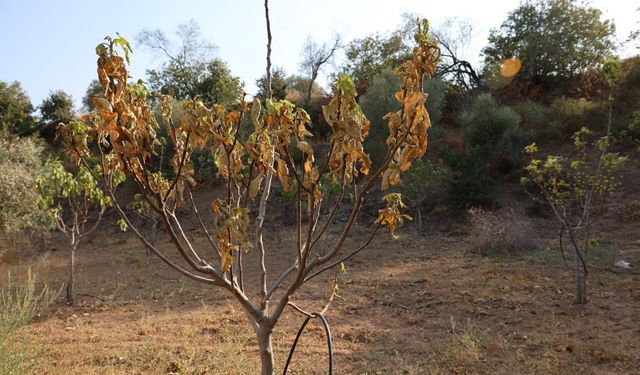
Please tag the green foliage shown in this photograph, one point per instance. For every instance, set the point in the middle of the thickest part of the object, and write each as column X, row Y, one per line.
column 634, row 125
column 190, row 71
column 19, row 305
column 57, row 107
column 376, row 103
column 279, row 85
column 568, row 182
column 535, row 117
column 493, row 139
column 299, row 85
column 379, row 100
column 421, row 181
column 437, row 90
column 488, row 125
column 21, row 161
column 371, row 55
column 59, row 188
column 570, row 114
column 15, row 110
column 211, row 82
column 93, row 89
column 553, row 39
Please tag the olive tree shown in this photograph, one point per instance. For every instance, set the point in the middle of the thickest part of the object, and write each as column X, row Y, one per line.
column 125, row 141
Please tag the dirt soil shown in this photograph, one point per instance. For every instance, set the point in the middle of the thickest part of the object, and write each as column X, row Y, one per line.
column 418, row 305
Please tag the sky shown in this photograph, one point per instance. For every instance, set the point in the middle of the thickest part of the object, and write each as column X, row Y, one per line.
column 49, row 45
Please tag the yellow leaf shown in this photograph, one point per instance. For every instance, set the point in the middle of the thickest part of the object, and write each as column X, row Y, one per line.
column 254, row 187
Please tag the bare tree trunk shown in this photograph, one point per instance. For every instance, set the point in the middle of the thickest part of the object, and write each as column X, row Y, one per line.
column 265, row 345
column 581, row 282
column 70, row 276
column 418, row 220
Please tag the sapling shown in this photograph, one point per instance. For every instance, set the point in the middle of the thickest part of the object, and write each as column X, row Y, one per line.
column 249, row 164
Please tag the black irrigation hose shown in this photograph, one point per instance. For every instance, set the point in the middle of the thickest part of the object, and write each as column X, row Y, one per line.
column 329, row 341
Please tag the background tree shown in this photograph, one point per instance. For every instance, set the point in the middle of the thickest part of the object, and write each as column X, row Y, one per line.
column 93, row 89
column 190, row 70
column 314, row 57
column 298, row 85
column 378, row 101
column 554, row 39
column 372, row 54
column 126, row 139
column 453, row 37
column 279, row 85
column 75, row 204
column 15, row 110
column 55, row 108
column 491, row 138
column 21, row 161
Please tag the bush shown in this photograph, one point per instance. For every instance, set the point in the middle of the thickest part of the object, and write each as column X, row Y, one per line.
column 21, row 161
column 570, row 114
column 493, row 141
column 19, row 305
column 376, row 103
column 535, row 117
column 493, row 234
column 437, row 89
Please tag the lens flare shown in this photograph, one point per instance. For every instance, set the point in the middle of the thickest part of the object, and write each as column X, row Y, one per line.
column 510, row 67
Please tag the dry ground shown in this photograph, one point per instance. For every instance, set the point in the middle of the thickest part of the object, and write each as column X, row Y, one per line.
column 418, row 305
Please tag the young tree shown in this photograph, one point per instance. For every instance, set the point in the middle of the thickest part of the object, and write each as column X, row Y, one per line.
column 314, row 57
column 554, row 39
column 75, row 203
column 577, row 188
column 125, row 141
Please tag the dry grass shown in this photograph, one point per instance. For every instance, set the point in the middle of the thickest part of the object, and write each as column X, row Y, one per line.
column 499, row 233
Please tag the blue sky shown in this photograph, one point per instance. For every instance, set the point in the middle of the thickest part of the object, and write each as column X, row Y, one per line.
column 48, row 45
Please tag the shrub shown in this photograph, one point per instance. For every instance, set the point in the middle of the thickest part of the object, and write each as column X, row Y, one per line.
column 535, row 117
column 437, row 89
column 492, row 139
column 376, row 103
column 21, row 160
column 19, row 305
column 498, row 234
column 570, row 114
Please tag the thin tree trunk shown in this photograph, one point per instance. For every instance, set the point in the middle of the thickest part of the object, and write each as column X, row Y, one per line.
column 581, row 282
column 264, row 333
column 70, row 277
column 418, row 220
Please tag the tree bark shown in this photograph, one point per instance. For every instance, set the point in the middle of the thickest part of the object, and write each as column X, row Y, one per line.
column 581, row 283
column 70, row 277
column 264, row 333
